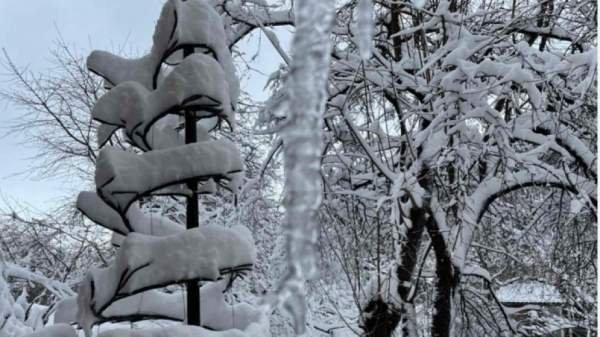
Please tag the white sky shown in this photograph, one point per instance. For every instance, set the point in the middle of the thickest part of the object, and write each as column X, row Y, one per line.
column 28, row 30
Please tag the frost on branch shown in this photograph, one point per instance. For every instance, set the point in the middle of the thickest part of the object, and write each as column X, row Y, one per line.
column 302, row 139
column 146, row 262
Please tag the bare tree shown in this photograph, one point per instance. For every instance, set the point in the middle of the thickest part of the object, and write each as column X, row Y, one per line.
column 55, row 110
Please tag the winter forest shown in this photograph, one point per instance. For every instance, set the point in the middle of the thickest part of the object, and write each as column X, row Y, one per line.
column 412, row 168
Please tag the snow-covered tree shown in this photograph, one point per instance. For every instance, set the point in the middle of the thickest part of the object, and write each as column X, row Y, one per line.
column 460, row 104
column 166, row 102
column 451, row 108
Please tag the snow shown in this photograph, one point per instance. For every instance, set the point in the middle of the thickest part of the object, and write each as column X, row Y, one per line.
column 65, row 311
column 576, row 206
column 182, row 23
column 163, row 135
column 151, row 223
column 90, row 204
column 56, row 288
column 174, row 331
column 491, row 187
column 216, row 313
column 529, row 291
column 477, row 271
column 122, row 177
column 115, row 69
column 144, row 262
column 130, row 96
column 12, row 315
column 199, row 24
column 569, row 140
column 197, row 82
column 56, row 330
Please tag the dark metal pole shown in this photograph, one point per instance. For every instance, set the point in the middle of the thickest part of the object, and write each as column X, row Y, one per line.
column 193, row 287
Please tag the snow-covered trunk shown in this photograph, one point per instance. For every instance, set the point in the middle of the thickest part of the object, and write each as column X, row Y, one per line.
column 302, row 149
column 407, row 259
column 445, row 283
column 379, row 320
column 408, row 256
column 380, row 317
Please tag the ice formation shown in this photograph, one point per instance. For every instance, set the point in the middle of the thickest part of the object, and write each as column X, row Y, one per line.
column 302, row 141
column 366, row 28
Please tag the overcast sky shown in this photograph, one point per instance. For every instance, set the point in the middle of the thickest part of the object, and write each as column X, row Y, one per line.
column 28, row 30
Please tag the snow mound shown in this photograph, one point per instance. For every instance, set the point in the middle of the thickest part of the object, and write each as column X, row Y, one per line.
column 65, row 310
column 176, row 331
column 56, row 330
column 93, row 207
column 147, row 262
column 182, row 23
column 217, row 314
column 122, row 177
column 197, row 84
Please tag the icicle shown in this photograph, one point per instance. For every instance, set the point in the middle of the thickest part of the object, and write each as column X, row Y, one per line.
column 302, row 139
column 365, row 27
column 418, row 3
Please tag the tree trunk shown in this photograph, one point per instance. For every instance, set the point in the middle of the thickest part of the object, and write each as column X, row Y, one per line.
column 193, row 288
column 445, row 283
column 381, row 318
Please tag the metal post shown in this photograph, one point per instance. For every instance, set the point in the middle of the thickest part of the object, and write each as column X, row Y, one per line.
column 193, row 287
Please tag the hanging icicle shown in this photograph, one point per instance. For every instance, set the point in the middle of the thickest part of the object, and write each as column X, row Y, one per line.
column 302, row 140
column 366, row 28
